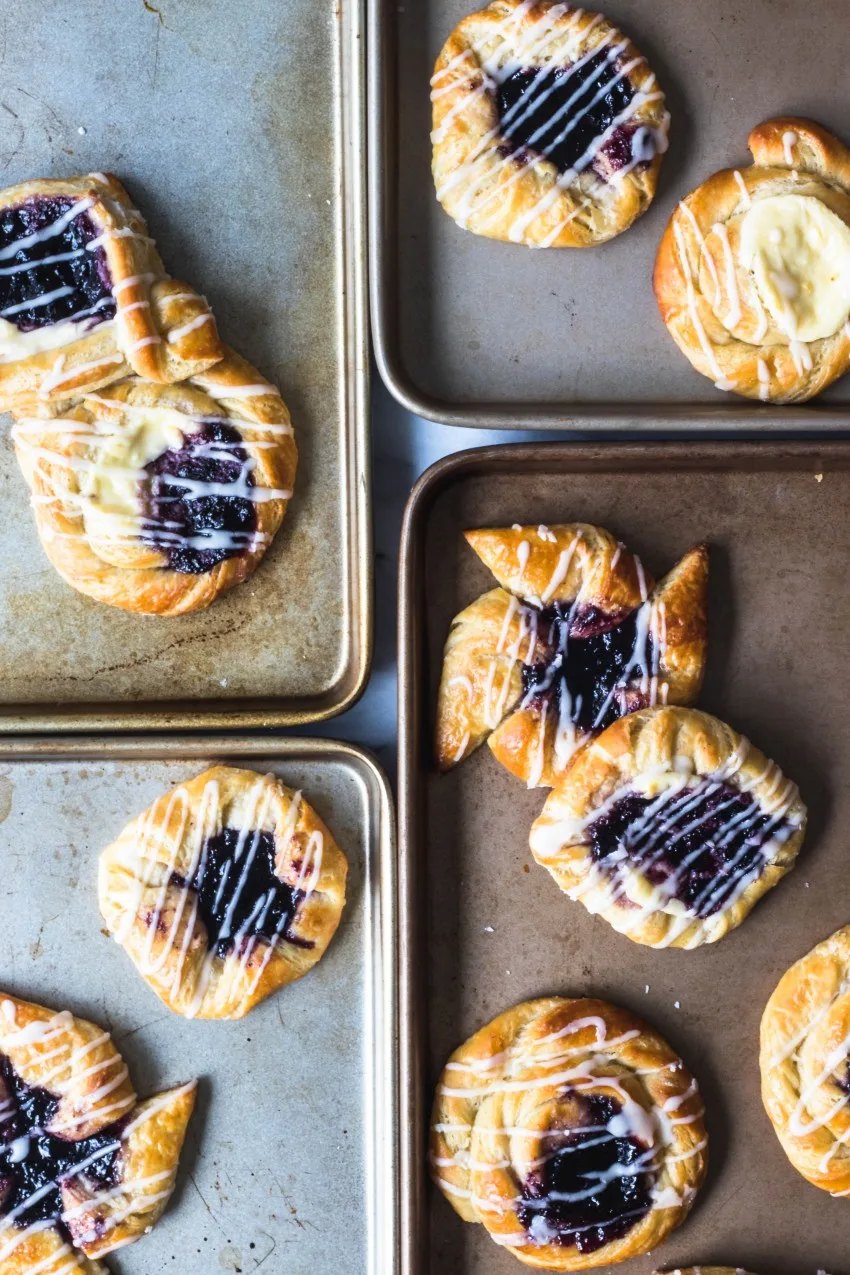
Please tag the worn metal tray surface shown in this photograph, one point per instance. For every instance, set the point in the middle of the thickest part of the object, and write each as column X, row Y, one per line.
column 486, row 927
column 289, row 1162
column 237, row 131
column 474, row 332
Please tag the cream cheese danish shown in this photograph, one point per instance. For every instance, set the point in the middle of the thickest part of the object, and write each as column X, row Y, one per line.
column 158, row 498
column 548, row 125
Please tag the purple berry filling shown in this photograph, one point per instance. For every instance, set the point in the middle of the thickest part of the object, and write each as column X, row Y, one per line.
column 560, row 114
column 34, row 1163
column 59, row 266
column 590, row 657
column 559, row 1203
column 196, row 528
column 240, row 897
column 702, row 846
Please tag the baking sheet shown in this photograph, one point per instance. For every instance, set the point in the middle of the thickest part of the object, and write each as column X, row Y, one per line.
column 474, row 332
column 776, row 518
column 237, row 130
column 289, row 1162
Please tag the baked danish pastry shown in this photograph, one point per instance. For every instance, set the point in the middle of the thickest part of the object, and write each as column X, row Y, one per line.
column 805, row 1064
column 225, row 889
column 571, row 1131
column 753, row 272
column 157, row 498
column 671, row 826
column 549, row 126
column 84, row 297
column 85, row 1167
column 576, row 635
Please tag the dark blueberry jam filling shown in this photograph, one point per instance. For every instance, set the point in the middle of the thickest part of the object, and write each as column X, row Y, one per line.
column 239, row 892
column 559, row 1203
column 700, row 845
column 34, row 1163
column 59, row 266
column 591, row 658
column 559, row 114
column 197, row 530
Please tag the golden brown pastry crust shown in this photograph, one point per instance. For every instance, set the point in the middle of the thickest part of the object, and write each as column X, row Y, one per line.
column 481, row 691
column 156, row 918
column 58, row 446
column 519, row 1081
column 76, row 1062
column 805, row 1072
column 652, row 752
column 700, row 281
column 163, row 330
column 518, row 197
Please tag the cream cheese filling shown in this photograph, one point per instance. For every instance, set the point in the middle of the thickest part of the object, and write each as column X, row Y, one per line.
column 109, row 488
column 798, row 251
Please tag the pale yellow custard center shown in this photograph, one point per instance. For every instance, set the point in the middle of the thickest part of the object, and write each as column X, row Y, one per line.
column 111, row 487
column 799, row 253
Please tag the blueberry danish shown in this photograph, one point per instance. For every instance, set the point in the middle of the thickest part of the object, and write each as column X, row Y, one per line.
column 549, row 126
column 571, row 1131
column 157, row 498
column 753, row 273
column 805, row 1064
column 84, row 297
column 671, row 826
column 227, row 888
column 576, row 635
column 85, row 1167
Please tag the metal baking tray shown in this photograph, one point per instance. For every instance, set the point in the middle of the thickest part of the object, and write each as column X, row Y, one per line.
column 291, row 1156
column 237, row 128
column 468, row 331
column 777, row 517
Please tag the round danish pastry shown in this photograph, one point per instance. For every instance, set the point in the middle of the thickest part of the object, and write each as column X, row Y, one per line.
column 576, row 635
column 571, row 1131
column 753, row 272
column 805, row 1064
column 671, row 826
column 85, row 1167
column 549, row 126
column 225, row 889
column 84, row 297
column 157, row 498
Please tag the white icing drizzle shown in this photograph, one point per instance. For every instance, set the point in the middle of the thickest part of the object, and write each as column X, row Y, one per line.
column 177, row 334
column 764, row 380
column 733, row 314
column 23, row 242
column 789, row 141
column 165, row 836
column 507, row 49
column 746, row 200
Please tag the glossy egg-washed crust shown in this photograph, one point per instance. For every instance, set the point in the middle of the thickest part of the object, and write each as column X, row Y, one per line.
column 36, row 1041
column 136, row 576
column 805, row 1046
column 691, row 276
column 650, row 749
column 145, row 337
column 480, row 1168
column 481, row 684
column 496, row 194
column 156, row 923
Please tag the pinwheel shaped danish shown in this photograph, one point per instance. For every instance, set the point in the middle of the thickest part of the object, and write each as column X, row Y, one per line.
column 805, row 1064
column 85, row 1167
column 157, row 498
column 227, row 888
column 548, row 125
column 84, row 297
column 571, row 1131
column 753, row 273
column 576, row 635
column 671, row 826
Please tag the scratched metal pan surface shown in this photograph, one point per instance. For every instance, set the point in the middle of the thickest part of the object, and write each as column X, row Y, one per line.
column 289, row 1161
column 469, row 331
column 236, row 128
column 487, row 928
